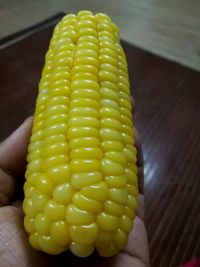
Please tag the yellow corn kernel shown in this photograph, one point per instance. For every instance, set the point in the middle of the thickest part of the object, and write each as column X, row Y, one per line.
column 108, row 222
column 113, row 208
column 87, row 203
column 120, row 238
column 80, row 180
column 97, row 191
column 109, row 251
column 54, row 210
column 42, row 224
column 47, row 244
column 60, row 232
column 81, row 250
column 81, row 176
column 104, row 238
column 84, row 234
column 75, row 215
column 29, row 224
column 63, row 193
column 39, row 200
column 33, row 239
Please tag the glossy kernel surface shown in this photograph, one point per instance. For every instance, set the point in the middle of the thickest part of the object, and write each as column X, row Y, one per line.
column 81, row 178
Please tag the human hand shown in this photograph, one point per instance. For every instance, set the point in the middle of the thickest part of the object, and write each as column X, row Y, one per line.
column 15, row 250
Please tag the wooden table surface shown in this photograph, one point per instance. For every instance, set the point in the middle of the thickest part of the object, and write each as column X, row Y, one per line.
column 167, row 114
column 167, row 28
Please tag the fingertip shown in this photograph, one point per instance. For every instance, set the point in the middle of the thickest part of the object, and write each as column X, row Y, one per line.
column 13, row 150
column 27, row 122
column 28, row 119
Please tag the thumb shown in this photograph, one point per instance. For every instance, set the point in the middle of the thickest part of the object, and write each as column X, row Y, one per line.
column 13, row 153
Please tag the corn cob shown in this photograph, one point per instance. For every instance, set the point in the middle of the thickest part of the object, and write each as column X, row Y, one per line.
column 81, row 176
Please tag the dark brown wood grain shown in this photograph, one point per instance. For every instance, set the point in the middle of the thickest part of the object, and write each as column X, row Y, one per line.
column 167, row 114
column 167, row 98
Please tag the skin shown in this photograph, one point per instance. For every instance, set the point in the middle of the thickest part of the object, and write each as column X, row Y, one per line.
column 15, row 250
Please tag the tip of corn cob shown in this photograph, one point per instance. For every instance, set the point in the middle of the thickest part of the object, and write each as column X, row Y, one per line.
column 81, row 177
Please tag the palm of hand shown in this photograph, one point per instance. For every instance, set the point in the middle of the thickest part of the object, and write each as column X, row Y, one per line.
column 14, row 247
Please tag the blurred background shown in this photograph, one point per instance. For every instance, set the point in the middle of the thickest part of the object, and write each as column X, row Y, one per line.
column 161, row 39
column 170, row 28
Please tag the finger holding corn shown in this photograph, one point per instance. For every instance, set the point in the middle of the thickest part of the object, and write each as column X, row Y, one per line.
column 81, row 177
